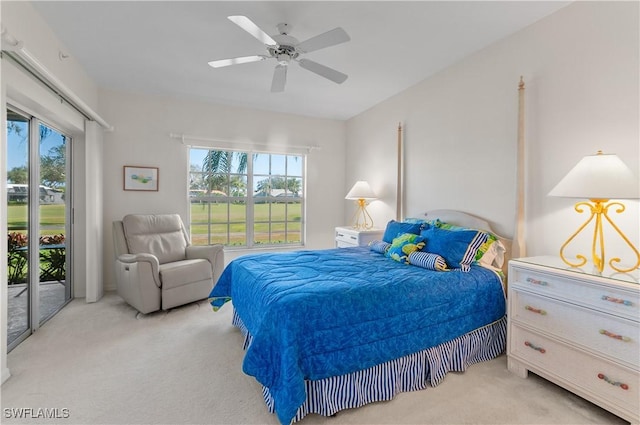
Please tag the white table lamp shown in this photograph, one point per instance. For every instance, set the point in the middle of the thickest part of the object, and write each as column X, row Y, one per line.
column 361, row 192
column 599, row 178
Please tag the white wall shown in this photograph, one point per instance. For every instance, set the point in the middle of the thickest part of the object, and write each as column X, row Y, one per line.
column 143, row 125
column 20, row 19
column 580, row 67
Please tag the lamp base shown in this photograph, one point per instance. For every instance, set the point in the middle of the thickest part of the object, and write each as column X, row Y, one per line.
column 361, row 218
column 599, row 209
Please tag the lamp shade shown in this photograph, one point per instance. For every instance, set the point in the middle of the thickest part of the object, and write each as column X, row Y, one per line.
column 361, row 190
column 599, row 176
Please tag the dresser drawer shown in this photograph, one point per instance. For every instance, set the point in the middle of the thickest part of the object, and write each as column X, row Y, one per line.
column 346, row 238
column 615, row 300
column 609, row 335
column 599, row 379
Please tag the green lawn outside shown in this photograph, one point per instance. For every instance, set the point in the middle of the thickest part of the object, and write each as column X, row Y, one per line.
column 52, row 262
column 52, row 219
column 52, row 222
column 235, row 233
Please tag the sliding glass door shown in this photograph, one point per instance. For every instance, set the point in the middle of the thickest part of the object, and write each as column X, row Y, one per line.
column 38, row 223
column 18, row 294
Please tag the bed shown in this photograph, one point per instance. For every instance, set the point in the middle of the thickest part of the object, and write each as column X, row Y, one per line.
column 328, row 330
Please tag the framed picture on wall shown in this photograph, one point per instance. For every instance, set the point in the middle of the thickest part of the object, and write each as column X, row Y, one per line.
column 140, row 178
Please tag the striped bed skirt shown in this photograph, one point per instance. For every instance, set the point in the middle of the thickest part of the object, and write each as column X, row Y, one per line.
column 382, row 382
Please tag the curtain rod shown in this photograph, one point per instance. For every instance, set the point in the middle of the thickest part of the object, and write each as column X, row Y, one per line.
column 183, row 138
column 26, row 60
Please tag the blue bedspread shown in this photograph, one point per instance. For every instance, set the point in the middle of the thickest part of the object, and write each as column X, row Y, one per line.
column 315, row 314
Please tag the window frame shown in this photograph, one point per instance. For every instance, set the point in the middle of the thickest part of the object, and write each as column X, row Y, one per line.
column 250, row 199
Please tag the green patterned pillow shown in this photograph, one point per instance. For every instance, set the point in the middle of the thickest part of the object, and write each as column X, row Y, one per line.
column 403, row 245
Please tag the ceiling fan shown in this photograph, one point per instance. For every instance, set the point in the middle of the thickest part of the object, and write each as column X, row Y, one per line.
column 285, row 49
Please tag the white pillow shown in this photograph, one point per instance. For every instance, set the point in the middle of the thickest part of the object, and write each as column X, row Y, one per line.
column 494, row 257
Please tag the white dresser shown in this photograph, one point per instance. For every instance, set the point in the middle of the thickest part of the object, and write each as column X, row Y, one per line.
column 348, row 236
column 578, row 330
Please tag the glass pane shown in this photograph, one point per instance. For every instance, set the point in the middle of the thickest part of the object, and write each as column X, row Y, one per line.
column 261, row 186
column 238, row 185
column 278, row 165
column 261, row 233
column 278, row 233
column 294, row 166
column 262, row 210
column 54, row 290
column 220, row 234
column 294, row 187
column 238, row 234
column 200, row 234
column 261, row 164
column 219, row 212
column 17, row 224
column 294, row 212
column 294, row 233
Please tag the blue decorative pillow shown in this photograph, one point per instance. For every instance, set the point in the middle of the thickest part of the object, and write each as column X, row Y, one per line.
column 428, row 260
column 396, row 228
column 457, row 247
column 379, row 246
column 488, row 252
column 404, row 245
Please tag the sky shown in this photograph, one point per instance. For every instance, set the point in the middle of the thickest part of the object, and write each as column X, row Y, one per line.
column 17, row 145
column 261, row 163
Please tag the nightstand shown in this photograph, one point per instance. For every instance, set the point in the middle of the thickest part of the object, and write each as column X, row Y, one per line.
column 577, row 329
column 348, row 236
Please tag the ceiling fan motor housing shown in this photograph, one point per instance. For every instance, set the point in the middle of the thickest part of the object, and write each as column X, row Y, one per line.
column 285, row 50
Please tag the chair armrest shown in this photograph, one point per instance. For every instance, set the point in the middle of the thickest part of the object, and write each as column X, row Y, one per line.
column 143, row 258
column 213, row 253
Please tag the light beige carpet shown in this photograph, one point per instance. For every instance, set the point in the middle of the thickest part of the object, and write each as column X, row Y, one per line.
column 104, row 364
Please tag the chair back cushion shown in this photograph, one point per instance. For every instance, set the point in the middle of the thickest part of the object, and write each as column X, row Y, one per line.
column 162, row 235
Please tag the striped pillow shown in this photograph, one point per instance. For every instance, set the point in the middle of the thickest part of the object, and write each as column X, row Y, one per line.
column 379, row 246
column 457, row 247
column 428, row 260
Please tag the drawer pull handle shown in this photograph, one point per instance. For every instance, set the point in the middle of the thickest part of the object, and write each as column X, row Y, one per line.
column 536, row 281
column 617, row 300
column 353, row 237
column 614, row 336
column 605, row 378
column 535, row 310
column 534, row 347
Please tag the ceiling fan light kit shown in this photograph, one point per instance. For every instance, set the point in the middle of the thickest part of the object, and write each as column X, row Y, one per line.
column 285, row 48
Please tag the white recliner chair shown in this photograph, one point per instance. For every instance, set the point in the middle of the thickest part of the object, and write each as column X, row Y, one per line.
column 156, row 265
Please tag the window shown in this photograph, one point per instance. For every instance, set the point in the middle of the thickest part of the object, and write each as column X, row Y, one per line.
column 243, row 199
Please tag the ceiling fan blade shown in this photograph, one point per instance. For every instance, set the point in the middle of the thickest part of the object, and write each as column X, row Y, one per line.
column 323, row 71
column 248, row 25
column 329, row 38
column 279, row 78
column 236, row 61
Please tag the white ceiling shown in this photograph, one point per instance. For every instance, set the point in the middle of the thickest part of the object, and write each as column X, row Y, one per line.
column 163, row 47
